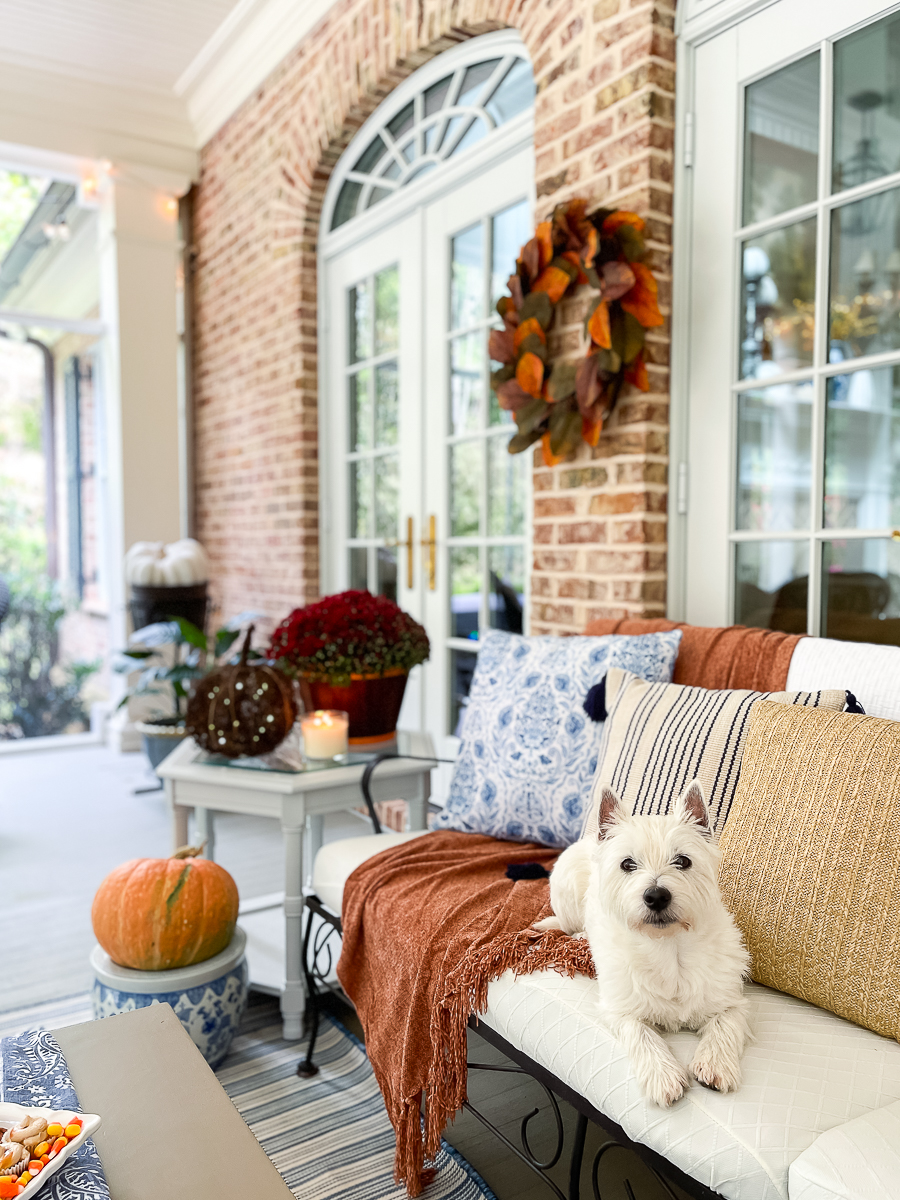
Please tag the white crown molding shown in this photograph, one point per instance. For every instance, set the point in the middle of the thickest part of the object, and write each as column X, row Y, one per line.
column 249, row 44
column 80, row 119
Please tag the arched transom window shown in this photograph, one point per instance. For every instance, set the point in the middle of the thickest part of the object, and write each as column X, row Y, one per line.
column 440, row 121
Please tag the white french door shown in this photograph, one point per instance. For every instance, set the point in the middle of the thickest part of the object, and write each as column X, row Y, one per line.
column 793, row 364
column 421, row 500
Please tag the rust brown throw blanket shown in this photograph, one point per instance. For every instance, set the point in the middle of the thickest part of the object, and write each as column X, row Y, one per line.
column 427, row 925
column 730, row 657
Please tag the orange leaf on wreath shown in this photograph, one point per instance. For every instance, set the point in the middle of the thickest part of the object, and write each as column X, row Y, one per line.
column 550, row 459
column 544, row 236
column 532, row 325
column 553, row 281
column 590, row 430
column 590, row 247
column 641, row 300
column 598, row 326
column 614, row 220
column 530, row 374
column 573, row 257
column 636, row 374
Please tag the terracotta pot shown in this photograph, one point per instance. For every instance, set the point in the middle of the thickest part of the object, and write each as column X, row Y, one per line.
column 372, row 703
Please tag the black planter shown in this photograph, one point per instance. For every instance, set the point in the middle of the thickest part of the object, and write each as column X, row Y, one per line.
column 151, row 603
column 160, row 737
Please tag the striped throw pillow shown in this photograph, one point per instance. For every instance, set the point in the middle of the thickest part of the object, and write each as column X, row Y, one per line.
column 658, row 737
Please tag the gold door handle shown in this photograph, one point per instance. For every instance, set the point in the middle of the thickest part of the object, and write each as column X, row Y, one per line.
column 410, row 550
column 431, row 543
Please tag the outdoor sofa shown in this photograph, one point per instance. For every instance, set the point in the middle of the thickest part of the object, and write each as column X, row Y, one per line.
column 817, row 1116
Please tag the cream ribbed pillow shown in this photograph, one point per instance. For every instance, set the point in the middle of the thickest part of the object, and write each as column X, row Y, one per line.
column 659, row 737
column 811, row 860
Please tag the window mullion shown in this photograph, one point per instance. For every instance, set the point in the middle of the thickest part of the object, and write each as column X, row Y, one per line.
column 821, row 340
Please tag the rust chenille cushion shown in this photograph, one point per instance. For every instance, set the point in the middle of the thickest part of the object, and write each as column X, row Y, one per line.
column 811, row 859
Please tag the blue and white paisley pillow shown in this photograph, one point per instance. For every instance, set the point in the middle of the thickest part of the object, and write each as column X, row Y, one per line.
column 528, row 751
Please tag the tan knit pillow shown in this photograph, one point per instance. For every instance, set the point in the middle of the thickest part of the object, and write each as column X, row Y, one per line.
column 811, row 859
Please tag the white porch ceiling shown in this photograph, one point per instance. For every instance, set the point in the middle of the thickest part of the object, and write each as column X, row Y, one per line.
column 142, row 81
column 131, row 44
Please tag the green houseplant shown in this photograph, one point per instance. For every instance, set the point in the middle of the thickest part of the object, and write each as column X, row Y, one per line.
column 170, row 655
column 352, row 651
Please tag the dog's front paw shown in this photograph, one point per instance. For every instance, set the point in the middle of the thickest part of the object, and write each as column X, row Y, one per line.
column 666, row 1083
column 716, row 1073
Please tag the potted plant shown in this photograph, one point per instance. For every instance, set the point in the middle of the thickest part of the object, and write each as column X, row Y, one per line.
column 352, row 651
column 171, row 654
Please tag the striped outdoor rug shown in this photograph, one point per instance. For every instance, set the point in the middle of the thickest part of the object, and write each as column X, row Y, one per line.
column 329, row 1136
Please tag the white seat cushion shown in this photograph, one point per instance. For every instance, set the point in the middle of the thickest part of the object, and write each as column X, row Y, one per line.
column 871, row 673
column 856, row 1161
column 336, row 861
column 806, row 1072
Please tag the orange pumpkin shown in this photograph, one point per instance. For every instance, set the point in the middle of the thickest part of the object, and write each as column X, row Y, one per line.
column 156, row 914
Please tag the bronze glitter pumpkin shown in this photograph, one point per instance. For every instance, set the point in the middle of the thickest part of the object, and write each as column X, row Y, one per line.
column 244, row 708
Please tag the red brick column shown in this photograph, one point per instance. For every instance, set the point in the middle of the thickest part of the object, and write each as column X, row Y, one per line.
column 603, row 129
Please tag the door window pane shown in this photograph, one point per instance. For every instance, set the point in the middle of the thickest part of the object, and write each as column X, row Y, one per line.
column 778, row 301
column 387, row 309
column 387, row 573
column 360, row 321
column 465, row 591
column 465, row 477
column 507, row 578
column 514, row 94
column 467, row 278
column 781, row 140
column 387, row 486
column 867, row 104
column 360, row 410
column 467, row 381
column 861, row 590
column 862, row 450
column 771, row 585
column 462, row 668
column 386, row 401
column 507, row 483
column 359, row 569
column 509, row 232
column 774, row 457
column 865, row 277
column 361, row 498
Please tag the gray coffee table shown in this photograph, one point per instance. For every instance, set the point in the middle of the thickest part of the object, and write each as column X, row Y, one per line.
column 299, row 800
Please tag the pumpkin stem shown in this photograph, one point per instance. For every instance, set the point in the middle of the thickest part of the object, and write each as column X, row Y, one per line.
column 189, row 851
column 245, row 649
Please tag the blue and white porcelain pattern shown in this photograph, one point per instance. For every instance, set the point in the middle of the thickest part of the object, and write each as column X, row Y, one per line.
column 529, row 751
column 209, row 998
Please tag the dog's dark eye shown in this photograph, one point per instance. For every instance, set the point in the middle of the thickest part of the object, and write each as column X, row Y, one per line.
column 682, row 862
column 628, row 864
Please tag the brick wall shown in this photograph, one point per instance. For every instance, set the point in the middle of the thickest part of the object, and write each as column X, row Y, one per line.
column 603, row 129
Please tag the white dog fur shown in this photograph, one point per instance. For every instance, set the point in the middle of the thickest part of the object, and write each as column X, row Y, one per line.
column 674, row 962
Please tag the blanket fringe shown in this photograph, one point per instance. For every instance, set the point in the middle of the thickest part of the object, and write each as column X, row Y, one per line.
column 465, row 993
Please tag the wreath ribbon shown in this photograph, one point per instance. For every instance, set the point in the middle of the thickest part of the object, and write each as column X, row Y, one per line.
column 560, row 402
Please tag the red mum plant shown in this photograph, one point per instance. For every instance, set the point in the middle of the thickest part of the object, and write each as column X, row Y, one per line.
column 349, row 635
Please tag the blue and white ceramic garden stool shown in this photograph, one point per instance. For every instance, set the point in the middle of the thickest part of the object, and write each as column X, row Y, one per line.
column 208, row 998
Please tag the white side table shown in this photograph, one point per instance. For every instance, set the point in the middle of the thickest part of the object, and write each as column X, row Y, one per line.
column 292, row 797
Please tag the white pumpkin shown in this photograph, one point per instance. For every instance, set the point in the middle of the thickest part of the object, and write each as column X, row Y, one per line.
column 179, row 564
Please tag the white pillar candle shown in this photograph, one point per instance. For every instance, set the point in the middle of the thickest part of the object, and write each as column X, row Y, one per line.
column 325, row 733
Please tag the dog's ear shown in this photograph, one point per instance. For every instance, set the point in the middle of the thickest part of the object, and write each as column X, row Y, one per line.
column 609, row 813
column 691, row 806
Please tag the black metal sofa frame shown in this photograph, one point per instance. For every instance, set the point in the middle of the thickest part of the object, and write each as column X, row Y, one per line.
column 318, row 964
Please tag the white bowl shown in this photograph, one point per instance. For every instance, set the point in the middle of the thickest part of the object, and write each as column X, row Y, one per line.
column 11, row 1114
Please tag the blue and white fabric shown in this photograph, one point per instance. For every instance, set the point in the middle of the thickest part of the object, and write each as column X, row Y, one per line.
column 36, row 1075
column 529, row 751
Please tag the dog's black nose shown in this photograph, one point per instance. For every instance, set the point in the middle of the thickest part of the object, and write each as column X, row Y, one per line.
column 657, row 898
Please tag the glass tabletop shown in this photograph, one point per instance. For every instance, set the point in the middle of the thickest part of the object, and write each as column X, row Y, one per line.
column 288, row 758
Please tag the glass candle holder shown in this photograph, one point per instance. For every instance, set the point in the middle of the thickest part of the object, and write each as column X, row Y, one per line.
column 325, row 733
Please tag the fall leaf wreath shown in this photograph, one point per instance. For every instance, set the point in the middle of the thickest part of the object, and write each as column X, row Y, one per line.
column 562, row 402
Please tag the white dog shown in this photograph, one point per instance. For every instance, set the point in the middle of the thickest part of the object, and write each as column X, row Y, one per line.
column 666, row 950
